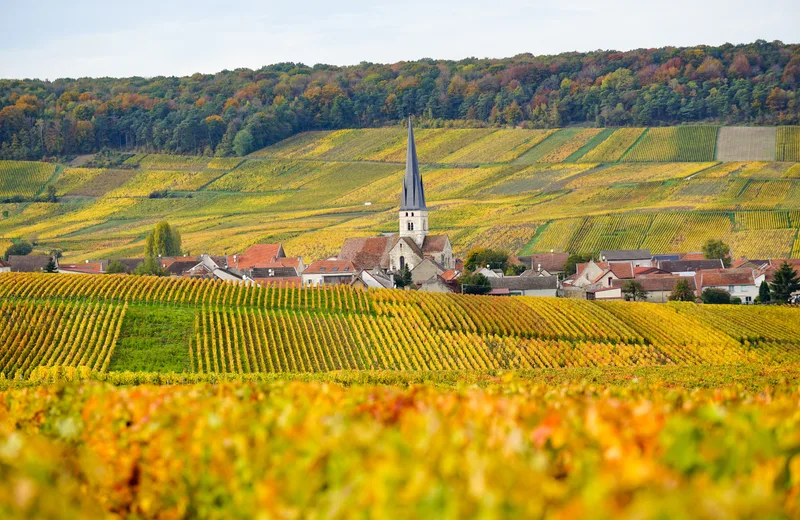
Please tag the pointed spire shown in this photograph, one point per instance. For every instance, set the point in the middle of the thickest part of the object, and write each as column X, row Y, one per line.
column 413, row 197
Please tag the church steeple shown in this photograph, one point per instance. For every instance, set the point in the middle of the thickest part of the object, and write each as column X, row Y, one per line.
column 413, row 211
column 413, row 191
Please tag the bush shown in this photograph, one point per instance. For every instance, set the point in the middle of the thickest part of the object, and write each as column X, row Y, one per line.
column 19, row 249
column 716, row 296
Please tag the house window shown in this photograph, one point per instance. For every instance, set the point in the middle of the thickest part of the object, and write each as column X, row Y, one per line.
column 406, row 213
column 609, row 281
column 402, row 262
column 411, row 226
column 321, row 269
column 730, row 288
column 748, row 299
column 335, row 269
column 412, row 213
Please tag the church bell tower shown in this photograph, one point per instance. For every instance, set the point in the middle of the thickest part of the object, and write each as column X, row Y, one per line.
column 413, row 211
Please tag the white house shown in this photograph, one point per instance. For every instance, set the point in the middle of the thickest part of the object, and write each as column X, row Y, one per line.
column 740, row 283
column 327, row 272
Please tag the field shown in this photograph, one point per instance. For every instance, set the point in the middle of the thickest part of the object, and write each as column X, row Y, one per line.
column 679, row 143
column 210, row 327
column 746, row 144
column 788, row 146
column 505, row 188
column 431, row 450
column 128, row 396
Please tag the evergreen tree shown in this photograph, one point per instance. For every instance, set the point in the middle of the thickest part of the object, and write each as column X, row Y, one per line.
column 784, row 284
column 51, row 266
column 402, row 278
column 763, row 292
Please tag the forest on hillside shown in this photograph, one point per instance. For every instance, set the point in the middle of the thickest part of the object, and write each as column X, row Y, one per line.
column 237, row 112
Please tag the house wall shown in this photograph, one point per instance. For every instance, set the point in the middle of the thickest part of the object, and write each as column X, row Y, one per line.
column 424, row 271
column 435, row 287
column 747, row 293
column 5, row 269
column 612, row 294
column 445, row 258
column 658, row 296
column 542, row 293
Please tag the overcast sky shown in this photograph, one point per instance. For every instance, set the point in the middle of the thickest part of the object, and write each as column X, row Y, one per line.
column 51, row 39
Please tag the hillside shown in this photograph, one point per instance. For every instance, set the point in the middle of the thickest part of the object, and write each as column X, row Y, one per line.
column 581, row 190
column 118, row 323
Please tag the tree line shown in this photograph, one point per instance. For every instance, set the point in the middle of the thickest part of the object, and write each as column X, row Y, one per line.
column 236, row 112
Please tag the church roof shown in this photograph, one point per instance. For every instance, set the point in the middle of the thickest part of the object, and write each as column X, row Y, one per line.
column 434, row 243
column 368, row 252
column 413, row 196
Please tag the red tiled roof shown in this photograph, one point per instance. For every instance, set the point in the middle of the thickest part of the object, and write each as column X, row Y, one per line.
column 641, row 271
column 368, row 252
column 434, row 243
column 693, row 256
column 550, row 262
column 257, row 255
column 621, row 269
column 87, row 267
column 3, row 263
column 450, row 274
column 331, row 267
column 723, row 277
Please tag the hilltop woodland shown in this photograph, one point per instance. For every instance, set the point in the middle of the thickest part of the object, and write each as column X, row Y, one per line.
column 237, row 112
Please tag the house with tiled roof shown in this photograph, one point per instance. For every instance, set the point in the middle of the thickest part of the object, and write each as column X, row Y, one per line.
column 740, row 283
column 689, row 267
column 413, row 244
column 267, row 256
column 376, row 279
column 87, row 267
column 524, row 286
column 659, row 287
column 553, row 263
column 327, row 272
column 5, row 267
column 29, row 263
column 637, row 257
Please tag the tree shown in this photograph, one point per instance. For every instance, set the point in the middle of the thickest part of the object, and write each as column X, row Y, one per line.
column 514, row 269
column 482, row 257
column 634, row 291
column 403, row 278
column 51, row 266
column 784, row 284
column 682, row 292
column 150, row 267
column 164, row 240
column 571, row 265
column 474, row 284
column 50, row 194
column 763, row 292
column 21, row 248
column 715, row 249
column 243, row 143
column 716, row 296
column 115, row 267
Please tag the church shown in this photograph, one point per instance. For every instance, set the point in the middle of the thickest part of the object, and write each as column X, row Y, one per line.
column 412, row 245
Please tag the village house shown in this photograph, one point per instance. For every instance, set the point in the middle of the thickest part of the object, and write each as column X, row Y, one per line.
column 413, row 244
column 551, row 263
column 30, row 263
column 328, row 272
column 659, row 287
column 689, row 267
column 376, row 279
column 596, row 275
column 87, row 267
column 637, row 257
column 542, row 286
column 436, row 284
column 740, row 283
column 5, row 267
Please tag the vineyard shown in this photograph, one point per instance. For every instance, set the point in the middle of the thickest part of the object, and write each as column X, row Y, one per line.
column 518, row 189
column 788, row 145
column 67, row 320
column 25, row 179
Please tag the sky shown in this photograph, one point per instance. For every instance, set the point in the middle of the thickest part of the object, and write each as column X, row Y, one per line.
column 50, row 39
